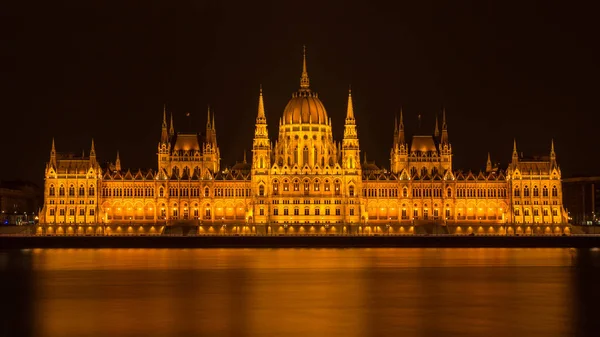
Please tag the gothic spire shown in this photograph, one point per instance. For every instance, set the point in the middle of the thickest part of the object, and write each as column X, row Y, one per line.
column 488, row 164
column 350, row 112
column 261, row 107
column 401, row 128
column 172, row 128
column 164, row 123
column 208, row 127
column 118, row 162
column 93, row 149
column 436, row 131
column 304, row 81
column 444, row 138
column 515, row 154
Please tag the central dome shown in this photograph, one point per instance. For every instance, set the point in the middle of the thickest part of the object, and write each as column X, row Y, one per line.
column 305, row 107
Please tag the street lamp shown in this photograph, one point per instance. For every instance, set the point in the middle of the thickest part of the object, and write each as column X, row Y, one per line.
column 388, row 229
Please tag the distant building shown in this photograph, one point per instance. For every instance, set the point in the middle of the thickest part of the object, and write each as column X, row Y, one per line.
column 303, row 181
column 20, row 202
column 582, row 200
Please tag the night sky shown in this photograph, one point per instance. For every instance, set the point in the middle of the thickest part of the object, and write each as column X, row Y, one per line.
column 76, row 70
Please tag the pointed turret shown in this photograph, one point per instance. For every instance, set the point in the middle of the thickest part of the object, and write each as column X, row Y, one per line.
column 261, row 107
column 53, row 154
column 488, row 164
column 118, row 162
column 304, row 81
column 552, row 154
column 350, row 110
column 350, row 145
column 208, row 127
column 93, row 152
column 164, row 135
column 436, row 131
column 172, row 128
column 261, row 146
column 401, row 138
column 444, row 139
column 244, row 157
column 515, row 154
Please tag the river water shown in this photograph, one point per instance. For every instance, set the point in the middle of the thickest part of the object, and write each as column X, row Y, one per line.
column 299, row 292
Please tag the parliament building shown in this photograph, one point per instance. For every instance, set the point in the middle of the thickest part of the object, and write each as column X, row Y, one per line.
column 302, row 182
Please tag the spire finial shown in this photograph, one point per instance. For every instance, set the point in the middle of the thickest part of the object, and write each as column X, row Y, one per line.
column 436, row 131
column 514, row 145
column 245, row 157
column 172, row 127
column 350, row 112
column 261, row 105
column 165, row 116
column 401, row 119
column 118, row 162
column 444, row 126
column 93, row 149
column 552, row 146
column 304, row 82
column 53, row 148
column 208, row 117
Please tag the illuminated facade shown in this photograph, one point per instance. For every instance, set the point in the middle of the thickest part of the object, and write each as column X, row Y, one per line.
column 304, row 183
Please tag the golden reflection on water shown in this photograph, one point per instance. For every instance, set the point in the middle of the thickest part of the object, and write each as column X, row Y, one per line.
column 302, row 292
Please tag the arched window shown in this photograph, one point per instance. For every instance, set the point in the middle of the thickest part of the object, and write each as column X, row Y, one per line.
column 405, row 192
column 517, row 192
column 161, row 192
column 286, row 185
column 305, row 156
column 306, row 186
column 336, row 186
column 51, row 191
column 176, row 171
column 71, row 191
column 526, row 191
column 186, row 171
column 275, row 187
column 351, row 190
column 91, row 191
column 554, row 191
column 206, row 192
column 545, row 191
column 261, row 190
column 449, row 193
column 316, row 185
column 296, row 155
column 81, row 191
column 423, row 171
column 327, row 185
column 536, row 192
column 296, row 185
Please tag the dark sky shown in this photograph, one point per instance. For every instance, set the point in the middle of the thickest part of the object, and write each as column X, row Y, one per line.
column 75, row 70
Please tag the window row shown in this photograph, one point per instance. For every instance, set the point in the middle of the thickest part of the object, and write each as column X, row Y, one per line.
column 91, row 191
column 128, row 192
column 536, row 191
column 536, row 212
column 62, row 212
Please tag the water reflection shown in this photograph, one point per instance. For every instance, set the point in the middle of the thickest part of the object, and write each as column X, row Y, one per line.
column 299, row 292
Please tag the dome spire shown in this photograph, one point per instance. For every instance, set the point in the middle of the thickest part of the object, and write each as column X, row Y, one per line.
column 304, row 82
